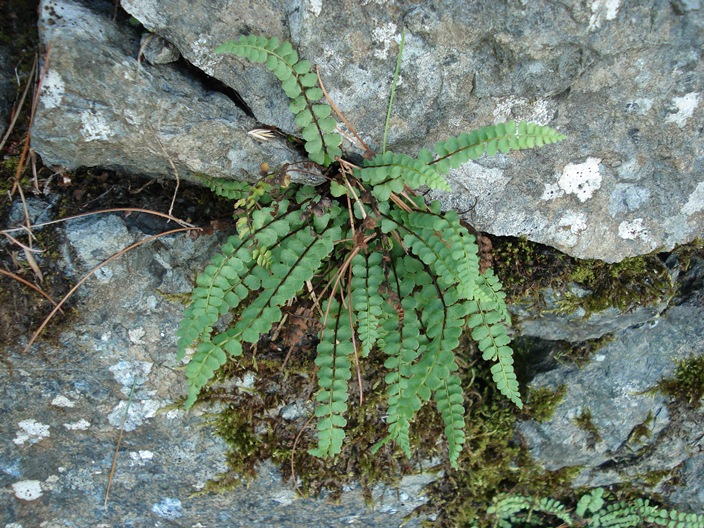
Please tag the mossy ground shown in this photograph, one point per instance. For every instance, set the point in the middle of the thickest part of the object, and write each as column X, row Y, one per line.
column 528, row 269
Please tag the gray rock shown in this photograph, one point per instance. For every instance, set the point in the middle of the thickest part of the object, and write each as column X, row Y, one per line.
column 614, row 388
column 554, row 322
column 623, row 81
column 100, row 106
column 158, row 50
column 95, row 240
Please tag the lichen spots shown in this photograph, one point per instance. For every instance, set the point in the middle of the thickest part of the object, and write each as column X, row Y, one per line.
column 581, row 179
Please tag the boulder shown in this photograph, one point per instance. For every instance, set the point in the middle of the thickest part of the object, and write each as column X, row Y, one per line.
column 101, row 105
column 623, row 81
column 610, row 421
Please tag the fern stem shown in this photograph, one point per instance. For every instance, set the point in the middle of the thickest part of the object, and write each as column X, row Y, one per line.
column 393, row 90
column 340, row 114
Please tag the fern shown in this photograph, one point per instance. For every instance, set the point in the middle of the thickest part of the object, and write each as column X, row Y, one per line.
column 592, row 511
column 385, row 269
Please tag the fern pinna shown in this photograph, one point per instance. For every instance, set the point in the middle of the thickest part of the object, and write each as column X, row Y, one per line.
column 383, row 268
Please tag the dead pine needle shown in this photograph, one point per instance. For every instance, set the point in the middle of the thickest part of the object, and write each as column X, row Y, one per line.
column 90, row 273
column 119, row 441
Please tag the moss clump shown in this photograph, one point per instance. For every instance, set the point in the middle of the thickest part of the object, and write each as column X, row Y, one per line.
column 579, row 354
column 586, row 423
column 527, row 270
column 543, row 401
column 687, row 383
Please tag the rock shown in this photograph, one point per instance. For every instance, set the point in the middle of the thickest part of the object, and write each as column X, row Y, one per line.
column 64, row 403
column 631, row 431
column 568, row 323
column 158, row 50
column 622, row 81
column 100, row 106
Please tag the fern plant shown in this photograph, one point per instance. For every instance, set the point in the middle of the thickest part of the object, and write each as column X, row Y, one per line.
column 592, row 511
column 383, row 268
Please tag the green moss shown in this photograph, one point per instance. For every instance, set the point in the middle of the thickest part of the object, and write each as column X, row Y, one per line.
column 528, row 270
column 687, row 383
column 653, row 478
column 642, row 430
column 543, row 401
column 579, row 354
column 585, row 422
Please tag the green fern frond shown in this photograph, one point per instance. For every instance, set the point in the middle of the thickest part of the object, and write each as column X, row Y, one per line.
column 389, row 172
column 489, row 332
column 592, row 510
column 442, row 243
column 295, row 260
column 401, row 340
column 509, row 509
column 448, row 398
column 367, row 277
column 334, row 371
column 301, row 86
column 489, row 140
column 226, row 188
column 219, row 288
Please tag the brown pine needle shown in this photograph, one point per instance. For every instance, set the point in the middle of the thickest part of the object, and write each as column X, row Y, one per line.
column 88, row 275
column 119, row 441
column 27, row 283
column 102, row 211
column 362, row 144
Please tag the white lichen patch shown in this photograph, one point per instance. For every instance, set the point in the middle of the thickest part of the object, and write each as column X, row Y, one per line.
column 32, row 432
column 581, row 179
column 384, row 35
column 141, row 457
column 137, row 414
column 136, row 335
column 575, row 222
column 95, row 126
column 129, row 373
column 603, row 10
column 540, row 111
column 685, row 106
column 695, row 203
column 552, row 191
column 315, row 7
column 80, row 425
column 53, row 88
column 62, row 401
column 27, row 490
column 634, row 229
column 570, row 226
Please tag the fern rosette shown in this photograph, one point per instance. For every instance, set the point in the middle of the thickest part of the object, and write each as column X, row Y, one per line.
column 383, row 269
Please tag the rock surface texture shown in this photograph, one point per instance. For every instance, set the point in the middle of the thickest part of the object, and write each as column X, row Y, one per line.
column 610, row 422
column 622, row 79
column 102, row 105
